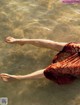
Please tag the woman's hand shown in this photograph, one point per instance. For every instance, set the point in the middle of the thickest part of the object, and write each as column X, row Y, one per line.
column 6, row 77
column 10, row 40
column 14, row 40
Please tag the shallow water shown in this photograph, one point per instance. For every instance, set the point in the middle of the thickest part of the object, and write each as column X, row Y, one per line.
column 46, row 19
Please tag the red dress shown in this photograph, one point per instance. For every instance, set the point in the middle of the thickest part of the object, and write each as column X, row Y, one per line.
column 65, row 67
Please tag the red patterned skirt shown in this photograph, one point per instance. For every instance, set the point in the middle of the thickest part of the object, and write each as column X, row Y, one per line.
column 65, row 67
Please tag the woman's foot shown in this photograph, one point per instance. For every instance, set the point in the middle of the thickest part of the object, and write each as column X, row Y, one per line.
column 6, row 77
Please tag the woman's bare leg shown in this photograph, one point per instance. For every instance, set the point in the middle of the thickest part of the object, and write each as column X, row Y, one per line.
column 35, row 75
column 38, row 42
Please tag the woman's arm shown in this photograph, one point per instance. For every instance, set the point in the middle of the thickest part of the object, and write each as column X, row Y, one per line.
column 35, row 75
column 38, row 42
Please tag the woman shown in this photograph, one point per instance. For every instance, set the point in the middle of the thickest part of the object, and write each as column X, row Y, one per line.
column 65, row 67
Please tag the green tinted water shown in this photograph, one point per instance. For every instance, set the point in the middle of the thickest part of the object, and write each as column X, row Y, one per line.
column 46, row 19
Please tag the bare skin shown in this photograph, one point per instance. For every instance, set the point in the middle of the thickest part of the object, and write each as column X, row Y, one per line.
column 35, row 75
column 36, row 42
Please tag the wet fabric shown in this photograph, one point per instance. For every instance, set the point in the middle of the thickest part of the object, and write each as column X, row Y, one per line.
column 65, row 67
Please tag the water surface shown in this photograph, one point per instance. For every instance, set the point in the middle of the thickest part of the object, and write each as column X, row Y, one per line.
column 46, row 19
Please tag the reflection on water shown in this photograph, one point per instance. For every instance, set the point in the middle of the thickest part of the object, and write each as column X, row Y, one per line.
column 47, row 19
